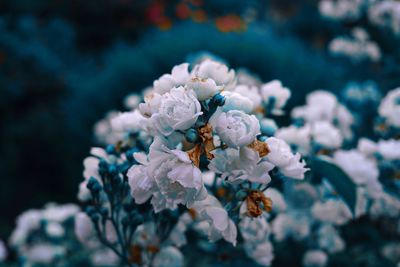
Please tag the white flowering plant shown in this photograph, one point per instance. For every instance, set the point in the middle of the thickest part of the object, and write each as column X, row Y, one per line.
column 197, row 172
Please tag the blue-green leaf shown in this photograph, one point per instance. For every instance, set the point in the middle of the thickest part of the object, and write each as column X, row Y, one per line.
column 343, row 184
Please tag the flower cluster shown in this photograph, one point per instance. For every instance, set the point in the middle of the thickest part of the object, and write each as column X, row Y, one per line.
column 198, row 171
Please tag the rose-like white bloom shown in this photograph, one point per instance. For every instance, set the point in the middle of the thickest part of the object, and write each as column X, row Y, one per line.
column 298, row 137
column 294, row 224
column 178, row 77
column 151, row 105
column 390, row 107
column 216, row 71
column 331, row 211
column 216, row 220
column 361, row 170
column 204, row 88
column 236, row 128
column 168, row 257
column 275, row 96
column 281, row 156
column 132, row 101
column 236, row 101
column 329, row 239
column 178, row 180
column 141, row 182
column 315, row 258
column 326, row 135
column 129, row 122
column 3, row 251
column 179, row 110
column 251, row 92
column 241, row 165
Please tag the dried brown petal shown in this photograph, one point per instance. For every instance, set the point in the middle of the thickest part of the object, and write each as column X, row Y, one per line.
column 135, row 254
column 206, row 136
column 253, row 202
column 261, row 147
column 194, row 154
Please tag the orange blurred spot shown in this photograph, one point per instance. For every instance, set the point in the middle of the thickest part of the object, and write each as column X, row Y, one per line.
column 230, row 23
column 183, row 11
column 164, row 23
column 199, row 16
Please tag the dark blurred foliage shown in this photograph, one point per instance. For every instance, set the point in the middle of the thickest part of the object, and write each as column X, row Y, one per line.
column 65, row 63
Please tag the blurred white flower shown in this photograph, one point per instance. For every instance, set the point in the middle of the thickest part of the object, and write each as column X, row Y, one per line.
column 250, row 92
column 390, row 107
column 132, row 101
column 141, row 182
column 294, row 224
column 275, row 96
column 129, row 122
column 297, row 137
column 332, row 211
column 3, row 251
column 168, row 257
column 326, row 135
column 329, row 239
column 315, row 258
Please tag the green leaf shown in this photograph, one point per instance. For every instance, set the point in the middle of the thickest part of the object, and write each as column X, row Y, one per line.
column 343, row 184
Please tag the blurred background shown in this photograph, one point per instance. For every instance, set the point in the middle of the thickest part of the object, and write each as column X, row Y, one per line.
column 65, row 63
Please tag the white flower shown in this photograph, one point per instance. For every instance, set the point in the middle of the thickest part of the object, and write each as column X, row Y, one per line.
column 104, row 257
column 178, row 180
column 236, row 101
column 179, row 110
column 132, row 101
column 329, row 239
column 55, row 229
column 331, row 211
column 254, row 230
column 3, row 251
column 385, row 14
column 275, row 96
column 389, row 149
column 204, row 88
column 26, row 222
column 296, row 225
column 361, row 170
column 219, row 225
column 386, row 205
column 236, row 128
column 281, row 156
column 320, row 106
column 297, row 137
column 84, row 228
column 216, row 71
column 250, row 92
column 168, row 257
column 129, row 122
column 367, row 147
column 151, row 105
column 43, row 253
column 262, row 253
column 178, row 77
column 315, row 258
column 390, row 107
column 241, row 165
column 326, row 135
column 141, row 183
column 278, row 202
